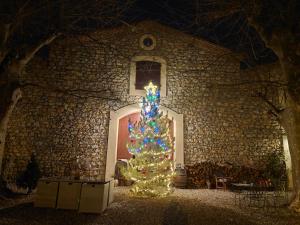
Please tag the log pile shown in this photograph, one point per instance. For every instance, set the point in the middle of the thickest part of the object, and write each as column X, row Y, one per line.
column 199, row 174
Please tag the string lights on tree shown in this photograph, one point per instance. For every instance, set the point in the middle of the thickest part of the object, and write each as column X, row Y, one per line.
column 151, row 167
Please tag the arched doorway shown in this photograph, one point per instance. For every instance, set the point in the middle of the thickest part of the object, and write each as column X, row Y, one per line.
column 115, row 116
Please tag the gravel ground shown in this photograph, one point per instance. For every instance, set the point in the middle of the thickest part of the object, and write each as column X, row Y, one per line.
column 184, row 207
column 8, row 202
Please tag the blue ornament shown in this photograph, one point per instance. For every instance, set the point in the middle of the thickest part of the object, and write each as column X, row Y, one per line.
column 146, row 140
column 130, row 127
column 151, row 114
column 156, row 130
column 142, row 129
column 159, row 141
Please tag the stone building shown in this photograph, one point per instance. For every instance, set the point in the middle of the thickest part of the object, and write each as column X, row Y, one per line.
column 80, row 87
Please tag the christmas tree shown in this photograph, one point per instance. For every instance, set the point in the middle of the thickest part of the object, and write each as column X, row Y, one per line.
column 151, row 167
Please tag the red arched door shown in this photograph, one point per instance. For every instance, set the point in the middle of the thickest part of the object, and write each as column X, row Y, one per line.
column 123, row 135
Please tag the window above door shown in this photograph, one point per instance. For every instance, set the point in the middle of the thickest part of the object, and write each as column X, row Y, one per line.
column 145, row 69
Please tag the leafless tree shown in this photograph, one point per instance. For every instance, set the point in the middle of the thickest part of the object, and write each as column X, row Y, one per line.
column 278, row 24
column 26, row 26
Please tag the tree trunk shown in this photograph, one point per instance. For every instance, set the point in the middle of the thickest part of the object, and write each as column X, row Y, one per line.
column 291, row 123
column 285, row 48
column 10, row 91
column 291, row 116
column 16, row 94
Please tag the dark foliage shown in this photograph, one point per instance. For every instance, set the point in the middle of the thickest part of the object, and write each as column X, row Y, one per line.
column 29, row 178
column 275, row 168
column 2, row 185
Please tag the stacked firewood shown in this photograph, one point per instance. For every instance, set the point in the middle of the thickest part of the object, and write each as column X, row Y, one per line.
column 199, row 174
column 202, row 175
column 246, row 174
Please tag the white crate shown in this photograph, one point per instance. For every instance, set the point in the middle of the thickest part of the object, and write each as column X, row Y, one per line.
column 94, row 197
column 111, row 192
column 46, row 194
column 68, row 195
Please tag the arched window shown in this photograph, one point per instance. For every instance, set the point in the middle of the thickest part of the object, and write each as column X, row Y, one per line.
column 145, row 69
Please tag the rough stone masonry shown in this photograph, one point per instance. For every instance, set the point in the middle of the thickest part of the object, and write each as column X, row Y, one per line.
column 68, row 133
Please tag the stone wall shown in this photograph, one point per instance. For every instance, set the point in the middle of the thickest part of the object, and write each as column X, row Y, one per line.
column 68, row 132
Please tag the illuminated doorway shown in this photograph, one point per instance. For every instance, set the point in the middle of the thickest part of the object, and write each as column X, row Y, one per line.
column 116, row 116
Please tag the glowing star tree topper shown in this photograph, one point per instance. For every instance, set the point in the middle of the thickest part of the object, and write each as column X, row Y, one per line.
column 152, row 167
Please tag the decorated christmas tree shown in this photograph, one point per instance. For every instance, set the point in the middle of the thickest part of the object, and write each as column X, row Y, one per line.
column 151, row 167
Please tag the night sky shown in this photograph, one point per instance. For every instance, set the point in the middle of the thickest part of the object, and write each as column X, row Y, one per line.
column 232, row 32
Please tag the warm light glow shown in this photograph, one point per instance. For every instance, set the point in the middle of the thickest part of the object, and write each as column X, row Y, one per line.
column 151, row 88
column 150, row 142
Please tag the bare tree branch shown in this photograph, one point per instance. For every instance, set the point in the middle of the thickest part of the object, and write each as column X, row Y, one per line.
column 4, row 39
column 78, row 93
column 275, row 110
column 19, row 63
column 250, row 82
